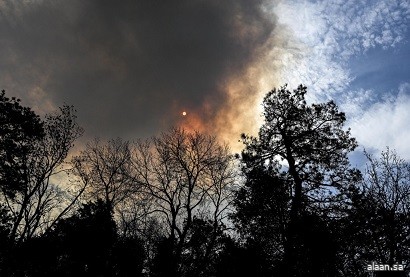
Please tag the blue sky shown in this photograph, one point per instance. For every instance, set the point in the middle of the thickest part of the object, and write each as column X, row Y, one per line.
column 132, row 67
column 357, row 53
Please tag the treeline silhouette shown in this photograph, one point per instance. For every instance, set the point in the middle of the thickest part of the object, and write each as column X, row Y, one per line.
column 180, row 204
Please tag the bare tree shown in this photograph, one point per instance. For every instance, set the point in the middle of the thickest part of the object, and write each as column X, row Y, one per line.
column 377, row 228
column 105, row 170
column 39, row 203
column 388, row 188
column 186, row 175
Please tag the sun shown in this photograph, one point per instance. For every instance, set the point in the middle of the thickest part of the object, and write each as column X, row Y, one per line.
column 184, row 113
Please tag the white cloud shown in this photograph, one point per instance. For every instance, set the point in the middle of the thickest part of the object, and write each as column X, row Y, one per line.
column 386, row 124
column 324, row 35
column 308, row 57
column 355, row 103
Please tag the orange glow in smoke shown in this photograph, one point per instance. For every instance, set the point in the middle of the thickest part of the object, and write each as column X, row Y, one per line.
column 191, row 123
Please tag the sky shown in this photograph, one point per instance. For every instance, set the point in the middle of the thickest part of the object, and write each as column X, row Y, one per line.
column 132, row 67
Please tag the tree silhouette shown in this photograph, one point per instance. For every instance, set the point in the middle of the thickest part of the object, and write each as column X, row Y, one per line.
column 261, row 215
column 377, row 226
column 20, row 128
column 85, row 241
column 165, row 262
column 307, row 147
column 32, row 152
column 186, row 175
column 237, row 260
column 201, row 252
column 165, row 206
column 128, row 257
column 37, row 204
column 105, row 170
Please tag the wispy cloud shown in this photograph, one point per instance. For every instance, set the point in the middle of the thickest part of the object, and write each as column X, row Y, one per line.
column 326, row 34
column 325, row 37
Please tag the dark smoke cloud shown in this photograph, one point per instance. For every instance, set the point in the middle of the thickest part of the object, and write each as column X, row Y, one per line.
column 130, row 67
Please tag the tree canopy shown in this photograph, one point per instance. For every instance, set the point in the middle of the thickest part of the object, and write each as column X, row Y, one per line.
column 20, row 128
column 179, row 204
column 307, row 142
column 301, row 150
